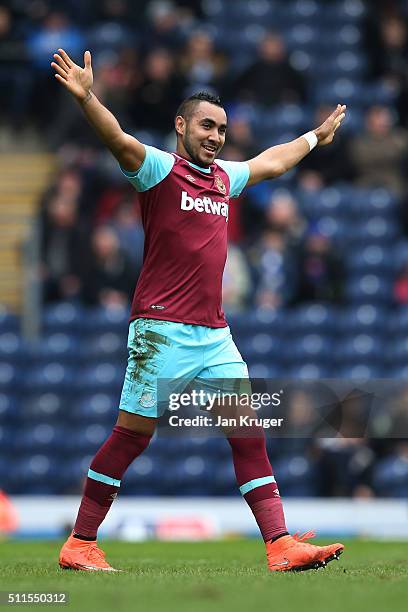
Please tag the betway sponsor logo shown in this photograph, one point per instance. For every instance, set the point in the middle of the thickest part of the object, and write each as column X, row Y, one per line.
column 204, row 205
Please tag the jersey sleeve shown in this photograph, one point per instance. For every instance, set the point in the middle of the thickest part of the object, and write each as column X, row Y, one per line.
column 155, row 167
column 238, row 173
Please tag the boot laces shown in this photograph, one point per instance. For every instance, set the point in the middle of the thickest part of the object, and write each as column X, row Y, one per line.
column 304, row 536
column 95, row 554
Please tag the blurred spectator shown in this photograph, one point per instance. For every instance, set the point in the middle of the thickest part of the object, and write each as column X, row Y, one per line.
column 15, row 76
column 401, row 286
column 273, row 257
column 108, row 277
column 236, row 283
column 326, row 165
column 62, row 248
column 271, row 79
column 127, row 225
column 387, row 46
column 200, row 64
column 160, row 94
column 53, row 32
column 377, row 153
column 241, row 135
column 320, row 272
column 163, row 19
column 345, row 467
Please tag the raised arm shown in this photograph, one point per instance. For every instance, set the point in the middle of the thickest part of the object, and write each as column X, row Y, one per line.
column 279, row 159
column 129, row 152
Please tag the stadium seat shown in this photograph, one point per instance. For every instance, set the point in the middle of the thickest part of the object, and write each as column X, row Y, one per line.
column 10, row 407
column 63, row 317
column 53, row 376
column 311, row 318
column 390, row 477
column 103, row 376
column 58, row 346
column 110, row 346
column 95, row 407
column 369, row 288
column 315, row 347
column 362, row 348
column 45, row 406
column 296, row 476
column 8, row 322
column 10, row 376
column 365, row 318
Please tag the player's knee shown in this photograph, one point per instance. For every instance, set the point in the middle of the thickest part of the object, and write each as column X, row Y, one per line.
column 144, row 426
column 249, row 446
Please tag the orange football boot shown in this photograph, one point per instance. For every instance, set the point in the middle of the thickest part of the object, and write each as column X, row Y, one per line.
column 292, row 553
column 81, row 555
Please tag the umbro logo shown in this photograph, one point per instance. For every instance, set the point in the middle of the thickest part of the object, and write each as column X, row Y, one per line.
column 190, row 178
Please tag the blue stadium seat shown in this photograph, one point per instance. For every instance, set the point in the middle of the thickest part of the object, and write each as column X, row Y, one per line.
column 8, row 322
column 95, row 407
column 45, row 406
column 224, row 481
column 103, row 376
column 315, row 347
column 110, row 345
column 105, row 320
column 330, row 201
column 398, row 322
column 296, row 476
column 12, row 348
column 377, row 230
column 63, row 317
column 397, row 352
column 86, row 440
column 6, row 437
column 9, row 408
column 311, row 318
column 371, row 259
column 369, row 288
column 53, row 376
column 192, row 475
column 365, row 318
column 42, row 438
column 262, row 345
column 35, row 475
column 311, row 370
column 10, row 377
column 58, row 346
column 360, row 372
column 268, row 370
column 363, row 348
column 143, row 477
column 390, row 477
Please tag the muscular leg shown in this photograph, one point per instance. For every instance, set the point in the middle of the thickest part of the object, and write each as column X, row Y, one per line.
column 129, row 438
column 254, row 472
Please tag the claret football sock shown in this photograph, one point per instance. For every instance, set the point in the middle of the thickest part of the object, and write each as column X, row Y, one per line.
column 104, row 478
column 257, row 483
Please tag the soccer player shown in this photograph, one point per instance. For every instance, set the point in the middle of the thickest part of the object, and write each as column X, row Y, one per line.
column 177, row 326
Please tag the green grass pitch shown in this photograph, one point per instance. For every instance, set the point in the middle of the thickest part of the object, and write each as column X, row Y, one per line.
column 221, row 576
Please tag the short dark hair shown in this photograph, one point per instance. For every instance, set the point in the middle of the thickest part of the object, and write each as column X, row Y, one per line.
column 188, row 105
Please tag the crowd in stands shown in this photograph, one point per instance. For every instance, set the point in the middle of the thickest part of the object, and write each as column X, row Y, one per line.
column 291, row 241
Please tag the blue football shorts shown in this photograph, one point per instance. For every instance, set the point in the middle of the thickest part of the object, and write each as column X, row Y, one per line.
column 177, row 352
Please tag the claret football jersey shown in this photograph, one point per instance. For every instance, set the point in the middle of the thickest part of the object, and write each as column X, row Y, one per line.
column 185, row 217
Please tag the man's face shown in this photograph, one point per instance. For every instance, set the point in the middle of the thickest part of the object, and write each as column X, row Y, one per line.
column 202, row 135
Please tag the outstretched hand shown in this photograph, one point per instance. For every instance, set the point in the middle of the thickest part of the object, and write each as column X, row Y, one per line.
column 325, row 133
column 77, row 80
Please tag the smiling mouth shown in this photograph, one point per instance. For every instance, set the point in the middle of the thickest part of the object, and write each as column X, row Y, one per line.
column 210, row 149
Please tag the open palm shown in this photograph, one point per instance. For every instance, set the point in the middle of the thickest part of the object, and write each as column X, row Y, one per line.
column 77, row 80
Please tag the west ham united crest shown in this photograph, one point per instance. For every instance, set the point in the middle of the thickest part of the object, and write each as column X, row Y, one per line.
column 219, row 183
